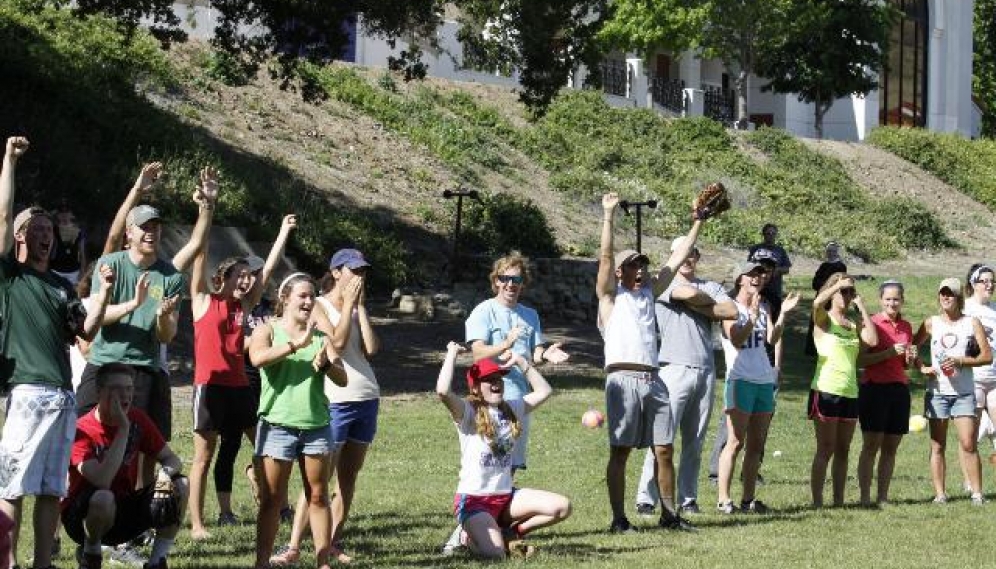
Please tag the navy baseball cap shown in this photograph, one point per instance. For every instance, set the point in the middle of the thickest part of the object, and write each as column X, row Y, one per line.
column 351, row 258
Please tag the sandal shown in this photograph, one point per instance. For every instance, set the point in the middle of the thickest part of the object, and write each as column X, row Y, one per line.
column 285, row 556
column 253, row 487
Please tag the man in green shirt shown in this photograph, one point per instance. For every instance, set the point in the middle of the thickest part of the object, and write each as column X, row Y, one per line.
column 42, row 316
column 143, row 314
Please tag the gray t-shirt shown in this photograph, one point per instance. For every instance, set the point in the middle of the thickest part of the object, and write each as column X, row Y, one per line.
column 686, row 335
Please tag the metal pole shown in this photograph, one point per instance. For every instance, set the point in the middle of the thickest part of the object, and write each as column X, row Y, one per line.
column 459, row 195
column 625, row 205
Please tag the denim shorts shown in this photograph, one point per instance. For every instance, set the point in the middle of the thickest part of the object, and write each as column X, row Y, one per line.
column 749, row 397
column 287, row 443
column 354, row 421
column 937, row 406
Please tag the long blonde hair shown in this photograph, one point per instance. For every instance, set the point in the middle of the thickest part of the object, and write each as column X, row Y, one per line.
column 483, row 422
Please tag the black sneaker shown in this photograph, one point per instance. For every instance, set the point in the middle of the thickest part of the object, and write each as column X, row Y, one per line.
column 227, row 519
column 690, row 507
column 754, row 507
column 675, row 523
column 646, row 510
column 622, row 525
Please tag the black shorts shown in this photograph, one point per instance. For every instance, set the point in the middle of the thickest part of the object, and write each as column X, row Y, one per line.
column 152, row 395
column 884, row 408
column 223, row 409
column 132, row 516
column 830, row 407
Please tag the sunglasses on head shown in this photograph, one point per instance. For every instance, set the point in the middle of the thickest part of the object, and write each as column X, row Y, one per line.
column 514, row 279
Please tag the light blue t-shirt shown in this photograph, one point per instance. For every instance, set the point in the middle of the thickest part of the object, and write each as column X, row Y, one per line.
column 491, row 321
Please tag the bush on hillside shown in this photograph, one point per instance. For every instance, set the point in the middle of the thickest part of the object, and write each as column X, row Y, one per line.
column 498, row 223
column 969, row 165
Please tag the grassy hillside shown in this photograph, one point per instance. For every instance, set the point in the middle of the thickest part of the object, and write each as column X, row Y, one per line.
column 969, row 165
column 366, row 167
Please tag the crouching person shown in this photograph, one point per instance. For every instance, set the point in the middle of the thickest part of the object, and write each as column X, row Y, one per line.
column 103, row 506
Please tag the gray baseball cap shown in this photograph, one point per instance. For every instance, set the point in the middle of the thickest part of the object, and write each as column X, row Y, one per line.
column 142, row 214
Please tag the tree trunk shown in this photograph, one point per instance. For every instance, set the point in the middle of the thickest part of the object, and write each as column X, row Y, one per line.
column 820, row 109
column 743, row 85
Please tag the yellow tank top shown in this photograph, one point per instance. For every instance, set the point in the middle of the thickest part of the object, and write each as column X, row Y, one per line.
column 836, row 364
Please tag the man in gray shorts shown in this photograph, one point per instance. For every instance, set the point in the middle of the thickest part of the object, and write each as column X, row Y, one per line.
column 685, row 312
column 635, row 397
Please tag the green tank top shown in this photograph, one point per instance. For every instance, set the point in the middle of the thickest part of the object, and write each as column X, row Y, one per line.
column 836, row 364
column 292, row 392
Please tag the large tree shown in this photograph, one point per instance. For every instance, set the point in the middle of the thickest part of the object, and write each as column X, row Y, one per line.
column 545, row 40
column 984, row 80
column 827, row 50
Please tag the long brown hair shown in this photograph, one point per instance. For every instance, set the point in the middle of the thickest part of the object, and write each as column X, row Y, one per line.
column 224, row 270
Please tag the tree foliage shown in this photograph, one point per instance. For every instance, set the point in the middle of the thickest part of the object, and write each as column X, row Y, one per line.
column 984, row 80
column 827, row 50
column 545, row 40
column 644, row 26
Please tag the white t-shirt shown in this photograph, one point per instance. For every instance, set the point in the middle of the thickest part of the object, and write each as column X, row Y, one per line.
column 361, row 383
column 950, row 340
column 986, row 313
column 631, row 333
column 486, row 468
column 750, row 362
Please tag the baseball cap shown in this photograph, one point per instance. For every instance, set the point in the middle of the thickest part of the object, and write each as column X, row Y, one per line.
column 142, row 214
column 348, row 257
column 483, row 368
column 255, row 263
column 952, row 284
column 751, row 266
column 627, row 255
column 26, row 215
column 679, row 241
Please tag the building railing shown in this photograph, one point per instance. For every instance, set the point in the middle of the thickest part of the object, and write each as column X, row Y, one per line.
column 718, row 104
column 668, row 93
column 615, row 77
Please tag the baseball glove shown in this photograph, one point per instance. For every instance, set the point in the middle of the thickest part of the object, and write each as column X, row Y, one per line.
column 710, row 202
column 164, row 510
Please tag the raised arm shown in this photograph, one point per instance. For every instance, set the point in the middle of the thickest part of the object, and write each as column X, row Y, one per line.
column 95, row 317
column 776, row 330
column 16, row 147
column 205, row 196
column 371, row 343
column 605, row 283
column 541, row 390
column 350, row 296
column 143, row 184
column 279, row 245
column 200, row 287
column 819, row 312
column 444, row 383
column 666, row 274
column 866, row 329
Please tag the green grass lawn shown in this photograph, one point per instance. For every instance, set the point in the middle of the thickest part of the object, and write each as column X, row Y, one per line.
column 402, row 509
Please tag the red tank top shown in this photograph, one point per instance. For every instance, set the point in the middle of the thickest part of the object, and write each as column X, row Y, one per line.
column 218, row 345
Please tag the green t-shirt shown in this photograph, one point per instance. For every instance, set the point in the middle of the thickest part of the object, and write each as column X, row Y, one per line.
column 292, row 393
column 132, row 340
column 36, row 334
column 836, row 364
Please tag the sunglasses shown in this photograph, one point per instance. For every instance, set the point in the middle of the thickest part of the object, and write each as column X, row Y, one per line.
column 848, row 290
column 514, row 279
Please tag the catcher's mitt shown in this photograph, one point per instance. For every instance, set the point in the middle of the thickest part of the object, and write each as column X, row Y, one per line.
column 164, row 510
column 710, row 202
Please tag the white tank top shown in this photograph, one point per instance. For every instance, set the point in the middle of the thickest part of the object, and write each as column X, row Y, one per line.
column 949, row 340
column 986, row 313
column 630, row 334
column 361, row 383
column 749, row 362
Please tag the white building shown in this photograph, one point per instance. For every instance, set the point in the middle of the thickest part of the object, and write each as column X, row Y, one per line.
column 928, row 82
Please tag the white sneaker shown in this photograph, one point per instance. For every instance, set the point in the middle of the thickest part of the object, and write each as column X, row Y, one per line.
column 128, row 555
column 454, row 543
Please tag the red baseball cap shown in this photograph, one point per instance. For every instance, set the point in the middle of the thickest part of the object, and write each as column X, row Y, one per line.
column 482, row 369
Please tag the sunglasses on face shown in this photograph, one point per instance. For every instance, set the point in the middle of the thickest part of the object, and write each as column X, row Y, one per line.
column 849, row 290
column 514, row 279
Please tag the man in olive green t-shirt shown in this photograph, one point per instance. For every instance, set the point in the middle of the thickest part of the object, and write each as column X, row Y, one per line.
column 143, row 314
column 42, row 316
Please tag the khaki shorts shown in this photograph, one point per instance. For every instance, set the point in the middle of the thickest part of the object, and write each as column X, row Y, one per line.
column 36, row 442
column 638, row 409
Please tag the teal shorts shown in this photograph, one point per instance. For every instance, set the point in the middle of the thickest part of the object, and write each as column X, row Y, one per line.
column 749, row 397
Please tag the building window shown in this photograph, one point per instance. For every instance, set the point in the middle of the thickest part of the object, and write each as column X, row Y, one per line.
column 903, row 84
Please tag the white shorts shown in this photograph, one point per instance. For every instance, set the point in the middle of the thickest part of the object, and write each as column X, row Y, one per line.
column 36, row 441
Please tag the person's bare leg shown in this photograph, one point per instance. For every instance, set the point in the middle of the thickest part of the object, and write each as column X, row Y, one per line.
column 938, row 442
column 845, row 432
column 204, row 447
column 12, row 509
column 968, row 451
column 314, row 470
column 871, row 443
column 615, row 479
column 45, row 519
column 347, row 468
column 665, row 478
column 757, row 435
column 736, row 427
column 272, row 476
column 826, row 443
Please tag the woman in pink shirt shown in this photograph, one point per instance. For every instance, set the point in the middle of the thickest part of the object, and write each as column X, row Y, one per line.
column 884, row 393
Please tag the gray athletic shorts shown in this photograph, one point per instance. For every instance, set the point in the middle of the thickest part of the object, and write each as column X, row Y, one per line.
column 638, row 409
